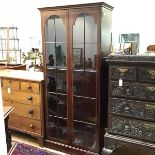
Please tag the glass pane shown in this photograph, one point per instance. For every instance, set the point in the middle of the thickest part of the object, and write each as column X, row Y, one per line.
column 90, row 84
column 62, row 129
column 78, row 82
column 56, row 55
column 78, row 29
column 52, row 104
column 55, row 30
column 84, row 135
column 85, row 109
column 52, row 127
column 62, row 105
column 55, row 46
column 57, row 105
column 51, row 80
column 61, row 81
column 84, row 81
column 57, row 128
column 55, row 42
column 90, row 29
column 56, row 80
column 90, row 56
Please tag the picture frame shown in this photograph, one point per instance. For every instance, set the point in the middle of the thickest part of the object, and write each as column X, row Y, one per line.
column 77, row 56
column 126, row 48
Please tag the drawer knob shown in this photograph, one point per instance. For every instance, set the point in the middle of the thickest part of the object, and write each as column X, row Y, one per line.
column 29, row 87
column 30, row 111
column 31, row 126
column 29, row 98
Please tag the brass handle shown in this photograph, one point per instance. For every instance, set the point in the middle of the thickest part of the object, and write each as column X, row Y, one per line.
column 152, row 89
column 29, row 98
column 30, row 111
column 122, row 70
column 31, row 126
column 150, row 106
column 29, row 87
column 149, row 126
column 151, row 72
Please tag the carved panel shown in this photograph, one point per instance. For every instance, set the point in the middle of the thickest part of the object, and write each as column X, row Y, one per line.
column 132, row 128
column 126, row 73
column 147, row 74
column 131, row 58
column 115, row 141
column 131, row 108
column 133, row 90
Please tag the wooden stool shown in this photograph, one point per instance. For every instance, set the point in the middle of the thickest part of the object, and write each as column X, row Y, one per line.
column 124, row 150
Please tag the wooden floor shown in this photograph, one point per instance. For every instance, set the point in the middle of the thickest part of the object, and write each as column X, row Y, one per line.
column 19, row 137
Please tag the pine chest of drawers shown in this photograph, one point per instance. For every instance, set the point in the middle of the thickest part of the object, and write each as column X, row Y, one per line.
column 23, row 90
column 131, row 106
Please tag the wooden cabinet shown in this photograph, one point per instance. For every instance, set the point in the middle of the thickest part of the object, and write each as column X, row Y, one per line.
column 74, row 39
column 25, row 95
column 131, row 102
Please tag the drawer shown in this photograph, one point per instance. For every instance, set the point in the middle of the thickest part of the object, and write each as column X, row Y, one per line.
column 133, row 90
column 124, row 72
column 146, row 74
column 24, row 110
column 134, row 109
column 132, row 128
column 24, row 124
column 30, row 86
column 9, row 83
column 22, row 97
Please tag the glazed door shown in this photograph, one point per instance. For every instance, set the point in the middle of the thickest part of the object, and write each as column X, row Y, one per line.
column 85, row 72
column 56, row 75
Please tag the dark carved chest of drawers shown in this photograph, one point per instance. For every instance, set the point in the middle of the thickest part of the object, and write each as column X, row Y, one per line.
column 131, row 106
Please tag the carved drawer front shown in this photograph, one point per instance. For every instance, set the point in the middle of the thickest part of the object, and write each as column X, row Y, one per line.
column 133, row 90
column 22, row 97
column 30, row 86
column 147, row 74
column 135, row 109
column 24, row 124
column 126, row 73
column 132, row 128
column 9, row 83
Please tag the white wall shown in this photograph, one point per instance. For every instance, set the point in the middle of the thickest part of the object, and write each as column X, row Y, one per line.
column 26, row 16
column 129, row 16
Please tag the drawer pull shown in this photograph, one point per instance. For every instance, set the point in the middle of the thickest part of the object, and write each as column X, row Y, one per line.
column 122, row 70
column 31, row 126
column 29, row 98
column 30, row 111
column 152, row 89
column 150, row 106
column 29, row 87
column 151, row 72
column 149, row 126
